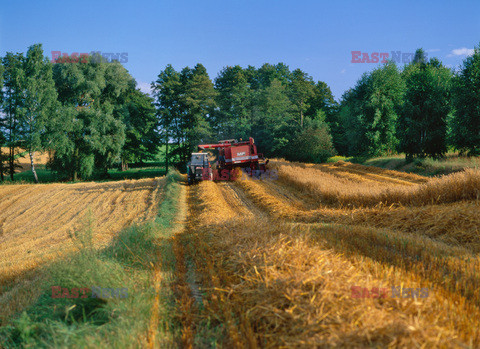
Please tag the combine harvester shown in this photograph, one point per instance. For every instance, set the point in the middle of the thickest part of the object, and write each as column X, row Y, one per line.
column 232, row 155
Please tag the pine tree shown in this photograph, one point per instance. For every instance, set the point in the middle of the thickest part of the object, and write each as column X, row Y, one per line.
column 301, row 89
column 274, row 123
column 197, row 104
column 234, row 99
column 138, row 115
column 166, row 91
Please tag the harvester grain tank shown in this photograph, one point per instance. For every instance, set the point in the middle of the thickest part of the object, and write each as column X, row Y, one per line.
column 233, row 153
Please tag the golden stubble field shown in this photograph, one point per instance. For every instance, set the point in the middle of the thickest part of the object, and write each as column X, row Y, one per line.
column 37, row 221
column 299, row 261
column 23, row 163
column 281, row 262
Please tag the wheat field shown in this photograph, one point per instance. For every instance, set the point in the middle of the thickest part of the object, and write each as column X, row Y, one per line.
column 294, row 261
column 277, row 259
column 37, row 222
column 23, row 163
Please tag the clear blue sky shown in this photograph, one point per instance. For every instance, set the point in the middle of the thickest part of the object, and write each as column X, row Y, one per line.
column 316, row 36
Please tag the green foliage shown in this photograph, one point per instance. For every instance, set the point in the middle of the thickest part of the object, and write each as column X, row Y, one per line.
column 12, row 102
column 274, row 120
column 425, row 110
column 423, row 121
column 270, row 104
column 234, row 101
column 39, row 103
column 84, row 136
column 264, row 76
column 466, row 97
column 197, row 102
column 301, row 89
column 351, row 136
column 166, row 91
column 91, row 116
column 313, row 143
column 322, row 100
column 40, row 99
column 384, row 89
column 90, row 132
column 369, row 112
column 141, row 138
column 185, row 103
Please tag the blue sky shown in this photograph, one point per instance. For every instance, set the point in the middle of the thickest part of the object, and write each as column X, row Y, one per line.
column 316, row 36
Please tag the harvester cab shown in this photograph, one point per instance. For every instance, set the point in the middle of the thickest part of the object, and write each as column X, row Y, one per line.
column 199, row 168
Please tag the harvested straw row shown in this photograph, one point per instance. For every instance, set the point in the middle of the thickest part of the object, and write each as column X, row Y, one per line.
column 333, row 191
column 293, row 291
column 352, row 174
column 455, row 223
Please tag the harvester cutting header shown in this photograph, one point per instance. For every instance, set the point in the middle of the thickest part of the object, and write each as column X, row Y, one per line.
column 231, row 154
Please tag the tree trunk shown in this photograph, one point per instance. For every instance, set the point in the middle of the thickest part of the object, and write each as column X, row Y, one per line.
column 75, row 166
column 301, row 114
column 32, row 154
column 11, row 161
column 1, row 166
column 166, row 156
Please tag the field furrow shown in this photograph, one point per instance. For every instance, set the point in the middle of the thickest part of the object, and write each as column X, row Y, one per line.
column 238, row 201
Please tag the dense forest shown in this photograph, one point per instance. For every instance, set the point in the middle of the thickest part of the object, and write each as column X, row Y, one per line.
column 90, row 116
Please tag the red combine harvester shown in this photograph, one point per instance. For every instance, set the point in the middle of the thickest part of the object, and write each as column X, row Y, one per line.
column 233, row 154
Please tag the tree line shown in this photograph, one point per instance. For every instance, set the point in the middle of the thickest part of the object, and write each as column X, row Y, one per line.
column 421, row 110
column 90, row 116
column 285, row 111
